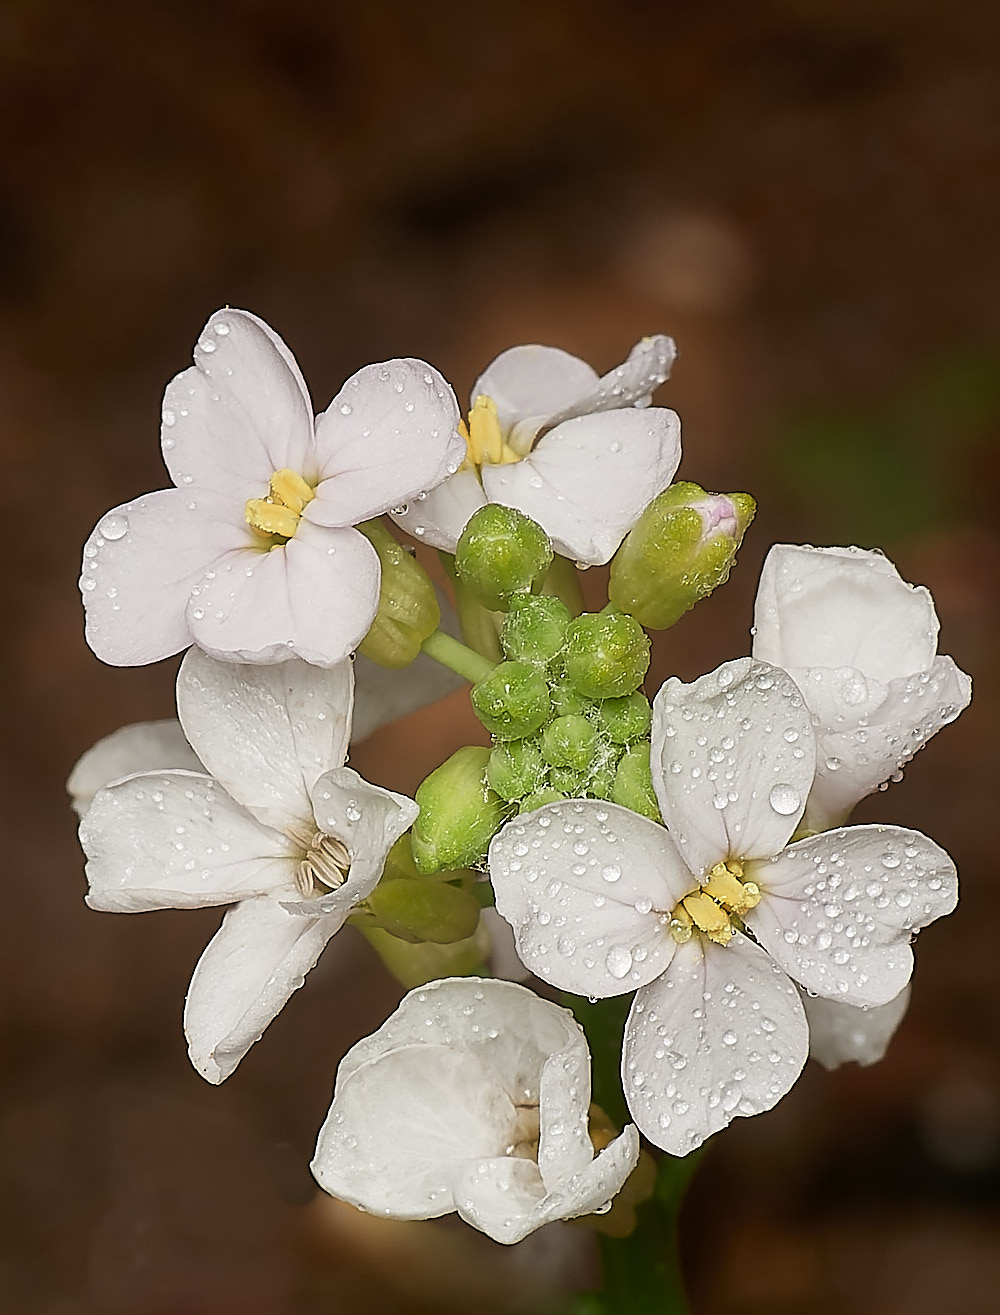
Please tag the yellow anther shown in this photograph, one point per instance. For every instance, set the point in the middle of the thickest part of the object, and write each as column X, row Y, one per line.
column 278, row 514
column 484, row 441
column 708, row 917
column 290, row 489
column 725, row 887
column 681, row 927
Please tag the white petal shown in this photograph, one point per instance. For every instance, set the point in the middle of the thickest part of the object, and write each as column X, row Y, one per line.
column 564, row 1145
column 732, row 758
column 175, row 840
column 314, row 598
column 403, row 1127
column 249, row 969
column 853, row 761
column 240, row 413
column 844, row 1034
column 365, row 818
column 143, row 746
column 381, row 696
column 588, row 888
column 267, row 733
column 721, row 1034
column 588, row 480
column 440, row 518
column 840, row 908
column 503, row 957
column 140, row 565
column 389, row 434
column 842, row 607
column 534, row 381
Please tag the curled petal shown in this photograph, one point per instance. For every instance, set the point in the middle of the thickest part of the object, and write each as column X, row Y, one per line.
column 175, row 840
column 721, row 1034
column 144, row 746
column 840, row 909
column 588, row 480
column 532, row 383
column 300, row 717
column 844, row 1034
column 239, row 414
column 249, row 969
column 732, row 759
column 588, row 888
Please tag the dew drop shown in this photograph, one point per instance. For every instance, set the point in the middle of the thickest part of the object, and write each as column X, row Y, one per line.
column 113, row 526
column 784, row 799
column 618, row 961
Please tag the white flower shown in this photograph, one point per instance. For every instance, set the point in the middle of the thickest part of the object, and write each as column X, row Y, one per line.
column 577, row 453
column 861, row 644
column 275, row 826
column 473, row 1096
column 142, row 746
column 252, row 556
column 844, row 1034
column 604, row 901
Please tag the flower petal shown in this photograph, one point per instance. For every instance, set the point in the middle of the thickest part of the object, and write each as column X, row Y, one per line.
column 140, row 565
column 732, row 758
column 588, row 480
column 564, row 1145
column 842, row 607
column 534, row 381
column 440, row 518
column 368, row 821
column 588, row 887
column 721, row 1034
column 314, row 598
column 175, row 840
column 844, row 1034
column 267, row 733
column 246, row 974
column 840, row 909
column 143, row 746
column 502, row 1196
column 389, row 434
column 239, row 414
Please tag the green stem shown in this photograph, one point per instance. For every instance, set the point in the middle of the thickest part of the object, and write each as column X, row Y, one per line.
column 451, row 653
column 480, row 626
column 563, row 581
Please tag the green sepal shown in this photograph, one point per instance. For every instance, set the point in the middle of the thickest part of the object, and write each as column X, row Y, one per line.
column 421, row 910
column 459, row 813
column 633, row 784
column 408, row 609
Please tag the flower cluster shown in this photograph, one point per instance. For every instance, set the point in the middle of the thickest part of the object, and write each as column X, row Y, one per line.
column 692, row 852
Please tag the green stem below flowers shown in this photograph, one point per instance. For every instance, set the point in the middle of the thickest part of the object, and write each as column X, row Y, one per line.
column 470, row 665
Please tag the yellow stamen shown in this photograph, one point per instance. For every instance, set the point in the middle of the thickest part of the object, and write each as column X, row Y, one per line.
column 278, row 514
column 708, row 917
column 483, row 437
column 290, row 488
column 725, row 887
column 681, row 927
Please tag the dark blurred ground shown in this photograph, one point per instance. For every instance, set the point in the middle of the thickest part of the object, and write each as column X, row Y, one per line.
column 805, row 194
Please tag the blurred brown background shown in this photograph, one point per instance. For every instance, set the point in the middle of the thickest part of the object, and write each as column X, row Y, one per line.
column 805, row 194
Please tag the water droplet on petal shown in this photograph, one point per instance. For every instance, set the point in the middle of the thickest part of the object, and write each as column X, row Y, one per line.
column 618, row 961
column 784, row 799
column 113, row 526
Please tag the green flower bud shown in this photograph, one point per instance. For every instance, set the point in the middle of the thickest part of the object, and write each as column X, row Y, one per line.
column 501, row 552
column 607, row 654
column 516, row 768
column 423, row 910
column 679, row 550
column 512, row 701
column 602, row 781
column 535, row 628
column 540, row 799
column 625, row 719
column 568, row 782
column 633, row 785
column 569, row 742
column 413, row 964
column 459, row 813
column 566, row 701
column 408, row 609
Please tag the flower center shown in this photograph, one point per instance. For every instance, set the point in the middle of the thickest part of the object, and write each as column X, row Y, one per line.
column 484, row 439
column 324, row 867
column 523, row 1142
column 277, row 515
column 711, row 908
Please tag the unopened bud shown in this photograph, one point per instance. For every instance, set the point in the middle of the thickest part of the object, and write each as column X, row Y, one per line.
column 607, row 654
column 516, row 768
column 512, row 701
column 501, row 552
column 423, row 910
column 626, row 719
column 459, row 813
column 408, row 609
column 540, row 799
column 535, row 628
column 569, row 742
column 680, row 549
column 633, row 786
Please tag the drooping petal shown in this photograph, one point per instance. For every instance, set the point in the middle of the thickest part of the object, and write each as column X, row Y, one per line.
column 501, row 1196
column 534, row 382
column 143, row 746
column 721, row 1034
column 246, row 974
column 732, row 758
column 842, row 607
column 175, row 840
column 313, row 598
column 368, row 821
column 239, row 414
column 403, row 1127
column 564, row 1145
column 588, row 480
column 141, row 564
column 852, row 762
column 267, row 733
column 843, row 1034
column 389, row 434
column 588, row 888
column 440, row 518
column 840, row 909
